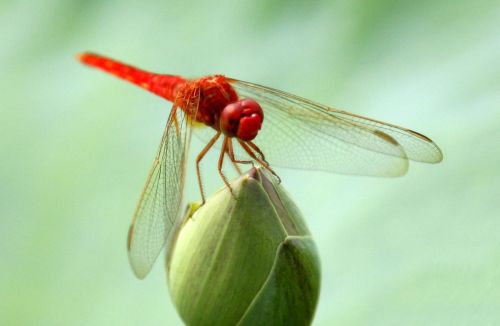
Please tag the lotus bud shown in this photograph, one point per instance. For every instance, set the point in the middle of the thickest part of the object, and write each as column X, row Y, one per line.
column 245, row 257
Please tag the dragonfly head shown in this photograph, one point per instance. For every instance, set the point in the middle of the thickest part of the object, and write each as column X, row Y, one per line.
column 242, row 119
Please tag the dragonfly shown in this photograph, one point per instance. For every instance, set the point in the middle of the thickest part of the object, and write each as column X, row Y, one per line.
column 251, row 124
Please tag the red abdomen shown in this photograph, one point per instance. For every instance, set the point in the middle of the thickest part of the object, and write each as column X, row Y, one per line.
column 162, row 85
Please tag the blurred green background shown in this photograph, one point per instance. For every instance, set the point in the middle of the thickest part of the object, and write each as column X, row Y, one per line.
column 76, row 146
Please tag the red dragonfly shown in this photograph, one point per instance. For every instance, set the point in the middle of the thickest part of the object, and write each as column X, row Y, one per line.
column 296, row 133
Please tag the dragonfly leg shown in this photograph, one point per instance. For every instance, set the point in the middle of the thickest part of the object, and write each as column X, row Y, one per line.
column 236, row 167
column 248, row 149
column 221, row 162
column 257, row 149
column 198, row 160
column 230, row 153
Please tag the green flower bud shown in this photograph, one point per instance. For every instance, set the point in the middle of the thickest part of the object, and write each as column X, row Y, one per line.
column 245, row 258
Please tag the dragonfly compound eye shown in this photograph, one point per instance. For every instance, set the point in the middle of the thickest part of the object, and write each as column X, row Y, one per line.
column 242, row 119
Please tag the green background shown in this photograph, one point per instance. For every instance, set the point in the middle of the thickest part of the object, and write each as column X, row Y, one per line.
column 76, row 146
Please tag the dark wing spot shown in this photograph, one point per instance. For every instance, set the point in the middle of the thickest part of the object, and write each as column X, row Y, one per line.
column 129, row 236
column 419, row 135
column 386, row 137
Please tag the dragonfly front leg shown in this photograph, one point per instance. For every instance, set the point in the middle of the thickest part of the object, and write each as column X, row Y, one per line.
column 250, row 152
column 198, row 160
column 257, row 149
column 221, row 162
column 230, row 153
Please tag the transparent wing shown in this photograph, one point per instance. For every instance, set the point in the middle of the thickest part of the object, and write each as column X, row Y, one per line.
column 299, row 133
column 160, row 202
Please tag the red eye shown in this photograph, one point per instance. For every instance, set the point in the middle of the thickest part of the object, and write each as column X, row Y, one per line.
column 242, row 119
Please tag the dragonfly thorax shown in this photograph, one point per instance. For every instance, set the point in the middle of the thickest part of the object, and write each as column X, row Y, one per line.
column 204, row 99
column 213, row 101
